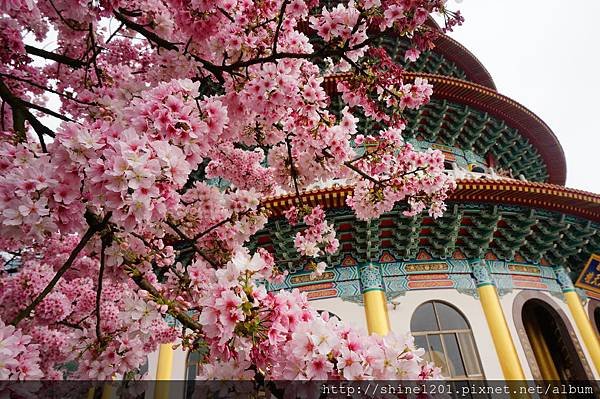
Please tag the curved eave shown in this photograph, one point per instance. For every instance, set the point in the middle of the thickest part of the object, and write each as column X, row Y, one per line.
column 487, row 100
column 550, row 197
column 458, row 54
column 465, row 60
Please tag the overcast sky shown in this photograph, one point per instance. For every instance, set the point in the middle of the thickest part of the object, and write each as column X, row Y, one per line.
column 545, row 55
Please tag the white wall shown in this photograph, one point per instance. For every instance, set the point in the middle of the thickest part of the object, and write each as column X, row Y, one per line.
column 350, row 312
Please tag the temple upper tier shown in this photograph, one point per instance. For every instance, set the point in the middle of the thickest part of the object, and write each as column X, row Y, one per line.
column 476, row 127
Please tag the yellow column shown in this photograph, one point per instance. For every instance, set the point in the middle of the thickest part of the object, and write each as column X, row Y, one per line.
column 107, row 391
column 581, row 319
column 371, row 284
column 503, row 342
column 585, row 327
column 376, row 312
column 505, row 347
column 163, row 371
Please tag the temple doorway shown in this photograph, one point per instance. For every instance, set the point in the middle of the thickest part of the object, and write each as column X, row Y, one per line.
column 597, row 319
column 551, row 343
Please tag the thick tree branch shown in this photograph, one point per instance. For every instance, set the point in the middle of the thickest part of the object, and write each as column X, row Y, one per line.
column 62, row 59
column 99, row 289
column 21, row 111
column 141, row 29
column 46, row 111
column 95, row 226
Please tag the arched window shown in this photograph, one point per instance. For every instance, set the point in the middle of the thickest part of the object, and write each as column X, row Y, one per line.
column 446, row 336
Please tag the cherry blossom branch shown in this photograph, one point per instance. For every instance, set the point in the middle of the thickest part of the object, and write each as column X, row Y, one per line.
column 94, row 56
column 151, row 36
column 94, row 227
column 16, row 102
column 48, row 89
column 68, row 23
column 218, row 70
column 184, row 237
column 183, row 317
column 46, row 111
column 284, row 5
column 70, row 325
column 363, row 72
column 76, row 324
column 10, row 260
column 112, row 35
column 226, row 14
column 163, row 43
column 350, row 166
column 221, row 223
column 293, row 170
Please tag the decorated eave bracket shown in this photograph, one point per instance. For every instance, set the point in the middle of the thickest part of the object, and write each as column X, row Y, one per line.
column 397, row 278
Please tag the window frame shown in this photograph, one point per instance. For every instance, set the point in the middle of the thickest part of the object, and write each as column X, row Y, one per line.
column 440, row 332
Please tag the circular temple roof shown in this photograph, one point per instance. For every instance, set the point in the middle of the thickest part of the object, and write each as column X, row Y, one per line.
column 488, row 100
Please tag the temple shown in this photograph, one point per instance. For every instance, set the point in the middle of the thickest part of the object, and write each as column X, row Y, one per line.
column 506, row 285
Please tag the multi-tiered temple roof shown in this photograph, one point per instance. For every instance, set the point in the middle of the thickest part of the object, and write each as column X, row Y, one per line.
column 510, row 209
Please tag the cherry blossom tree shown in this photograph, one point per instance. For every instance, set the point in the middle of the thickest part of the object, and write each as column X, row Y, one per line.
column 176, row 119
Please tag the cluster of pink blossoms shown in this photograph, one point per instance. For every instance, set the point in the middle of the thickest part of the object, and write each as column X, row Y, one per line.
column 316, row 240
column 136, row 165
column 399, row 173
column 385, row 98
column 286, row 340
column 324, row 348
column 18, row 359
column 131, row 323
column 340, row 24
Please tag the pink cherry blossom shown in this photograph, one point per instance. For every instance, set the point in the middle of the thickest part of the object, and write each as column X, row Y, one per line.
column 18, row 359
column 175, row 120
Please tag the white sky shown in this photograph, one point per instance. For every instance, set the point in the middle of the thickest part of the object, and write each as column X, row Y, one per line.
column 545, row 55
